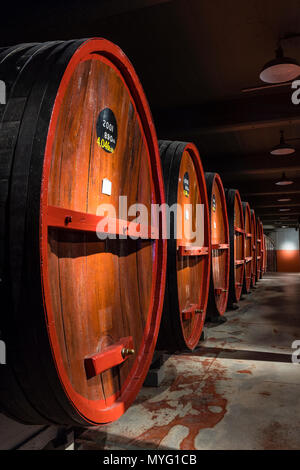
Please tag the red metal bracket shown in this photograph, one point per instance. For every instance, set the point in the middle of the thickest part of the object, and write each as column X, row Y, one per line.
column 239, row 261
column 248, row 235
column 220, row 246
column 248, row 258
column 62, row 218
column 258, row 240
column 219, row 291
column 189, row 313
column 190, row 250
column 238, row 229
column 110, row 357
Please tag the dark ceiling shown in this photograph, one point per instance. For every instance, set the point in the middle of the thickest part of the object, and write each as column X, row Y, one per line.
column 195, row 58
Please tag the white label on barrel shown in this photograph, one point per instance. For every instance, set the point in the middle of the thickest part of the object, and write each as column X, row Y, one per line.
column 106, row 187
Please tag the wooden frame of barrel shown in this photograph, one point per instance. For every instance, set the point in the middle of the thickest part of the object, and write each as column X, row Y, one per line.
column 254, row 260
column 82, row 313
column 248, row 248
column 237, row 245
column 220, row 260
column 258, row 248
column 188, row 266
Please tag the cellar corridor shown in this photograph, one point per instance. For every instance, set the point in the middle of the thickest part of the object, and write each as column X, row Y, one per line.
column 238, row 390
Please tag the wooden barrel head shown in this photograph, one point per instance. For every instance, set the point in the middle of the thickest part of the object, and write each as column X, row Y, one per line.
column 254, row 260
column 188, row 264
column 237, row 244
column 220, row 245
column 94, row 304
column 248, row 248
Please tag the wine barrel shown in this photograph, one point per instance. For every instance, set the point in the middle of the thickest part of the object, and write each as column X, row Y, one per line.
column 81, row 312
column 188, row 265
column 220, row 248
column 258, row 248
column 253, row 265
column 237, row 245
column 248, row 248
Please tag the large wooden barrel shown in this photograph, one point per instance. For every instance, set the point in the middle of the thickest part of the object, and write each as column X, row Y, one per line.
column 81, row 313
column 248, row 248
column 220, row 248
column 258, row 248
column 253, row 264
column 188, row 266
column 237, row 244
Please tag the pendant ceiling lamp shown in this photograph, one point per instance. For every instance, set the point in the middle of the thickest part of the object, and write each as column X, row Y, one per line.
column 284, row 181
column 282, row 148
column 281, row 69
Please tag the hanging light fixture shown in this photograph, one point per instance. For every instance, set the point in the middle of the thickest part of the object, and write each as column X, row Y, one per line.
column 284, row 210
column 282, row 148
column 284, row 181
column 284, row 199
column 281, row 69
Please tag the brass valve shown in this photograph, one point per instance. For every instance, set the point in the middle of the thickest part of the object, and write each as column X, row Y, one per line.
column 127, row 352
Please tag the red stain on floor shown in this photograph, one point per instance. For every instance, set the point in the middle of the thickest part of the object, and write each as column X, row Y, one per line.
column 265, row 394
column 245, row 371
column 201, row 398
column 275, row 437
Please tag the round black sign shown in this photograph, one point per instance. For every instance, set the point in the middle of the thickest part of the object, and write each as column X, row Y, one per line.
column 186, row 184
column 107, row 130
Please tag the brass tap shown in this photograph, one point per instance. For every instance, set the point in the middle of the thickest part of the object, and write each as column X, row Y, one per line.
column 127, row 352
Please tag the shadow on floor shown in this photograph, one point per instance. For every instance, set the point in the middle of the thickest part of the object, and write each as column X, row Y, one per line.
column 243, row 354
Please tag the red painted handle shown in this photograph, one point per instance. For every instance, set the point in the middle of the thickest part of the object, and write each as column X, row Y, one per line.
column 239, row 261
column 189, row 250
column 189, row 313
column 219, row 290
column 60, row 217
column 111, row 356
column 220, row 246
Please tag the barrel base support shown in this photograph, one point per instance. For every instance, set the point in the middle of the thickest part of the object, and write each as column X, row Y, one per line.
column 217, row 319
column 156, row 373
column 203, row 335
column 233, row 306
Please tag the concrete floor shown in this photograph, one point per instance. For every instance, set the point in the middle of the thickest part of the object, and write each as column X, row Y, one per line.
column 239, row 390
